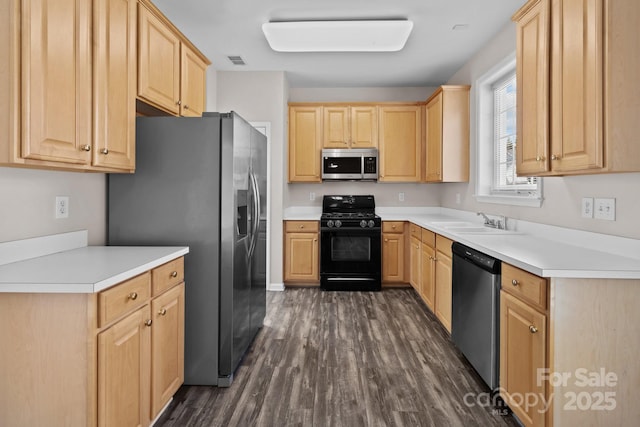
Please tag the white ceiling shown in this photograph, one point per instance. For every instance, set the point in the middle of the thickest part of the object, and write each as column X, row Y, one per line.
column 433, row 53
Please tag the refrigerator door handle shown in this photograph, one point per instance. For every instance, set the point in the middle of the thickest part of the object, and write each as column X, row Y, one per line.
column 256, row 213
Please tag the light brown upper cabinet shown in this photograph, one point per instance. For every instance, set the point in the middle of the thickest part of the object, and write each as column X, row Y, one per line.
column 59, row 109
column 305, row 143
column 577, row 108
column 350, row 126
column 114, row 83
column 171, row 71
column 447, row 135
column 400, row 136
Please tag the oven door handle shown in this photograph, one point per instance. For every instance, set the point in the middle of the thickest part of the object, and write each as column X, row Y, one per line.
column 359, row 231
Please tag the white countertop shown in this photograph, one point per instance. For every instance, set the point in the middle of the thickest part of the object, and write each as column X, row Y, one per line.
column 85, row 269
column 546, row 251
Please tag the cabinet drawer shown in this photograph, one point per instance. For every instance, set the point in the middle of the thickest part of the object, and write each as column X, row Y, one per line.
column 524, row 285
column 428, row 238
column 167, row 275
column 443, row 245
column 306, row 226
column 415, row 231
column 392, row 227
column 122, row 298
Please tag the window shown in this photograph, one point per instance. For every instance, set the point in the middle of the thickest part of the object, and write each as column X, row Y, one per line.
column 496, row 145
column 504, row 140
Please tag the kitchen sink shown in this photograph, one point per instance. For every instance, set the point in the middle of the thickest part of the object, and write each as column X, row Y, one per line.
column 478, row 230
column 449, row 224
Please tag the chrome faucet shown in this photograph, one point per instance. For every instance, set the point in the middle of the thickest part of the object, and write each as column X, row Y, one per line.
column 499, row 223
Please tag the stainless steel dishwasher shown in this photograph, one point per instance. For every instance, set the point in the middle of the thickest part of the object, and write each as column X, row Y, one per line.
column 475, row 310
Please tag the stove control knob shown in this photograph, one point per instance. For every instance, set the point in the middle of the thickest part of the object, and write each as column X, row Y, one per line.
column 330, row 223
column 363, row 223
column 371, row 223
column 338, row 223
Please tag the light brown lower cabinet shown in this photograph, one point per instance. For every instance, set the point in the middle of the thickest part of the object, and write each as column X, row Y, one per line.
column 443, row 281
column 167, row 347
column 124, row 371
column 113, row 358
column 414, row 262
column 393, row 246
column 301, row 251
column 523, row 343
column 427, row 269
column 141, row 361
column 522, row 355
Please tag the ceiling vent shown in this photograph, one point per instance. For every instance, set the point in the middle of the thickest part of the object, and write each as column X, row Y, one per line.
column 236, row 60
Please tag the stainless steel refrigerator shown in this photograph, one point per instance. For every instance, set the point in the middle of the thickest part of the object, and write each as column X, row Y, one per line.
column 202, row 182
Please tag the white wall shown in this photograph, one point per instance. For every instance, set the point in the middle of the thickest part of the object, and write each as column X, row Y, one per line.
column 386, row 194
column 27, row 203
column 562, row 195
column 262, row 97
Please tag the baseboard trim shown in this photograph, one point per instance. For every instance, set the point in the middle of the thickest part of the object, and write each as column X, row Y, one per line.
column 276, row 287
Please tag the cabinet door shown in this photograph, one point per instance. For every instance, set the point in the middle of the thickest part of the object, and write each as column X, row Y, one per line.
column 577, row 85
column 393, row 257
column 532, row 74
column 522, row 355
column 443, row 289
column 158, row 63
column 434, row 139
column 364, row 127
column 124, row 371
column 414, row 262
column 167, row 347
column 56, row 80
column 336, row 127
column 400, row 143
column 301, row 257
column 193, row 78
column 114, row 83
column 427, row 276
column 305, row 142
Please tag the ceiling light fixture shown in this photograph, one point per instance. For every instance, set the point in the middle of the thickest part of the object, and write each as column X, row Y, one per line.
column 338, row 36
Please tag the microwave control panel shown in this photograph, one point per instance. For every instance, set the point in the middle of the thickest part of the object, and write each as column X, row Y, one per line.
column 370, row 165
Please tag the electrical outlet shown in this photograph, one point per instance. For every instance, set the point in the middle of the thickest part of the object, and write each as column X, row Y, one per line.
column 312, row 196
column 62, row 207
column 401, row 197
column 587, row 207
column 605, row 209
column 457, row 198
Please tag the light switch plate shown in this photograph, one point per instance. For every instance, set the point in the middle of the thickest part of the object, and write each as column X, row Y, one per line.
column 605, row 209
column 587, row 207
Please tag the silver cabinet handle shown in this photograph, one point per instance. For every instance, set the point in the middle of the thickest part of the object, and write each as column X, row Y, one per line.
column 105, row 151
column 86, row 147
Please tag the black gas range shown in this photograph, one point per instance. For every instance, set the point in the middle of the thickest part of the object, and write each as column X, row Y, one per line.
column 350, row 234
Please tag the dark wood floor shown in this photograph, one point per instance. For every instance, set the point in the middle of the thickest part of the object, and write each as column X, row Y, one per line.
column 343, row 359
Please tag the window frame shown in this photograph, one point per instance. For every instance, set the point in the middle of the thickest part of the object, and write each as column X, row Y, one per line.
column 486, row 166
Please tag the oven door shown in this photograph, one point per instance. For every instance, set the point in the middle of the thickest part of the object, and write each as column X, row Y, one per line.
column 350, row 259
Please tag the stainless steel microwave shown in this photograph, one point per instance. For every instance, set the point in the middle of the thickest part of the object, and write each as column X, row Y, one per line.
column 357, row 164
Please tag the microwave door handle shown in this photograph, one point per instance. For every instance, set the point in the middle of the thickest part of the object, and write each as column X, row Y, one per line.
column 361, row 167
